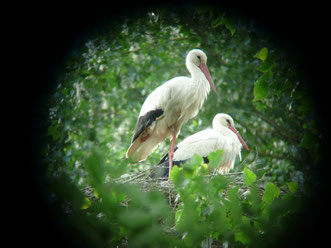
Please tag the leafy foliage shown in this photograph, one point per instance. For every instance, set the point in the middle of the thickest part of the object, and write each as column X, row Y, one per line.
column 93, row 111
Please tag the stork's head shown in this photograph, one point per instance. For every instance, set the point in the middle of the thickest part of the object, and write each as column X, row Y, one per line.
column 224, row 120
column 198, row 58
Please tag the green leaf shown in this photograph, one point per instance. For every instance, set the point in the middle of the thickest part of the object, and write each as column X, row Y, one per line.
column 261, row 87
column 253, row 204
column 218, row 21
column 227, row 22
column 308, row 140
column 53, row 131
column 174, row 174
column 96, row 167
column 266, row 66
column 134, row 218
column 219, row 182
column 215, row 158
column 233, row 194
column 95, row 193
column 178, row 215
column 259, row 106
column 271, row 192
column 191, row 168
column 249, row 176
column 262, row 54
column 196, row 160
column 293, row 186
column 86, row 204
column 234, row 205
column 241, row 237
column 260, row 90
column 230, row 28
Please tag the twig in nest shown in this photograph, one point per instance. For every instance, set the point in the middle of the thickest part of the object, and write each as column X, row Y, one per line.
column 137, row 176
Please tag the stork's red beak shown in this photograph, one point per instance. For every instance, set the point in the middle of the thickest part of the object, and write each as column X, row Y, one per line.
column 239, row 137
column 203, row 67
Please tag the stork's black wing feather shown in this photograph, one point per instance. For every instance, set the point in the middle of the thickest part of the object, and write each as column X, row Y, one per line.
column 145, row 121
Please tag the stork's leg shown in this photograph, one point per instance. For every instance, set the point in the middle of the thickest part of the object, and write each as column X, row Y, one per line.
column 171, row 152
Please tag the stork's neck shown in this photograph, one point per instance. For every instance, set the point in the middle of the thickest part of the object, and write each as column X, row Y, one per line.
column 198, row 77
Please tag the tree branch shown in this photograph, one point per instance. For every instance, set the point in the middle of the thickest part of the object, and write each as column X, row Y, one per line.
column 278, row 130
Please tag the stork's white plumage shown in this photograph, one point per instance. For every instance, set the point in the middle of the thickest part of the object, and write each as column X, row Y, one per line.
column 223, row 136
column 169, row 106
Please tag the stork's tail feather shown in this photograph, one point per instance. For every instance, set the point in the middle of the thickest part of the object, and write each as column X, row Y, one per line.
column 160, row 170
column 130, row 152
column 140, row 148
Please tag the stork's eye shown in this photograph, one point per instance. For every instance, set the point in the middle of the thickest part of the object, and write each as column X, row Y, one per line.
column 199, row 57
column 228, row 121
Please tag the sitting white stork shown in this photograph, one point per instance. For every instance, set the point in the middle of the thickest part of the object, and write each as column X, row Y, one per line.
column 223, row 136
column 169, row 106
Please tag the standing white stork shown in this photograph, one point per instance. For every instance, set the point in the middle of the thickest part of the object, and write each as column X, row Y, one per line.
column 169, row 106
column 223, row 136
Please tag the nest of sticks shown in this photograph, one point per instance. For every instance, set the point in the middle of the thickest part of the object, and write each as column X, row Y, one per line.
column 146, row 183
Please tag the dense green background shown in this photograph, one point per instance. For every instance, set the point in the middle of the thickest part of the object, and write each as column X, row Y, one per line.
column 92, row 112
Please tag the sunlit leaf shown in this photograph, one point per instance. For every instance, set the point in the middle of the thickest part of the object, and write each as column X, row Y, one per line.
column 249, row 176
column 87, row 203
column 262, row 54
column 174, row 174
column 95, row 193
column 271, row 192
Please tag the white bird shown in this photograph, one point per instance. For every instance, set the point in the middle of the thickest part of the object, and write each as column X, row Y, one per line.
column 169, row 106
column 222, row 136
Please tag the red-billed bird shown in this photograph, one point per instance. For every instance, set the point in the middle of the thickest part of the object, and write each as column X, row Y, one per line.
column 169, row 106
column 223, row 136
